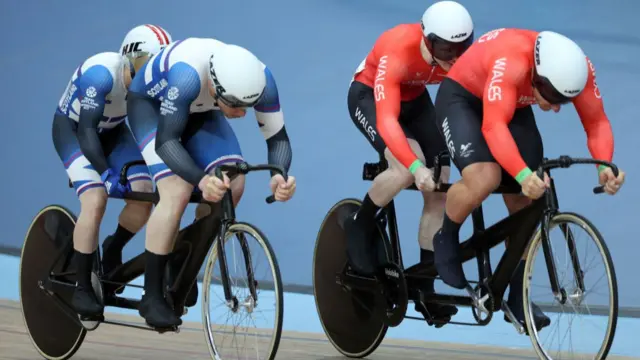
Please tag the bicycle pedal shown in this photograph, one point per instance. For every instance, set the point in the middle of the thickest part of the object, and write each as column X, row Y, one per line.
column 162, row 330
column 511, row 318
column 99, row 318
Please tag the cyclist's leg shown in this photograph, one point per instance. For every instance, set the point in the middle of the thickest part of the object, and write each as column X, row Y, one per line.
column 419, row 118
column 385, row 186
column 459, row 117
column 164, row 221
column 526, row 135
column 135, row 213
column 93, row 201
column 215, row 144
column 211, row 141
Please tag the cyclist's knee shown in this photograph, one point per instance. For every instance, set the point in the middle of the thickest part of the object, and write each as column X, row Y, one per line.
column 93, row 203
column 515, row 202
column 142, row 208
column 237, row 188
column 434, row 202
column 174, row 192
column 142, row 186
column 481, row 179
column 399, row 174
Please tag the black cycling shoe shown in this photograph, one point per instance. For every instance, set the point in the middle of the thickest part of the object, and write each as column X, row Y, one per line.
column 85, row 302
column 515, row 302
column 435, row 314
column 448, row 260
column 361, row 253
column 539, row 318
column 157, row 313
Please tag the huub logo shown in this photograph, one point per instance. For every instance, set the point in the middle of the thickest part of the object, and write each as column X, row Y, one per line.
column 392, row 273
column 537, row 52
column 131, row 48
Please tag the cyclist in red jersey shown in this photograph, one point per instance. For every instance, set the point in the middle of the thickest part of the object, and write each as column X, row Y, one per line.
column 390, row 105
column 484, row 112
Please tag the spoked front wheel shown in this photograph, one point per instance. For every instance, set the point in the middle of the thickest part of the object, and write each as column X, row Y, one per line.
column 584, row 312
column 250, row 325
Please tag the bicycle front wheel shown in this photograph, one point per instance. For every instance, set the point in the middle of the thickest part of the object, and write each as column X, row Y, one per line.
column 249, row 325
column 584, row 312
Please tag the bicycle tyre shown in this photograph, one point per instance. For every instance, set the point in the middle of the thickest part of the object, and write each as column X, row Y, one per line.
column 596, row 236
column 41, row 315
column 353, row 331
column 253, row 231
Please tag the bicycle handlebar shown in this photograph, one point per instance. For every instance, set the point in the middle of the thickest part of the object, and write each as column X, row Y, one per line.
column 565, row 161
column 240, row 168
column 562, row 161
column 244, row 168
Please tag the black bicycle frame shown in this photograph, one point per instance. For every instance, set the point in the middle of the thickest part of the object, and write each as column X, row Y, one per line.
column 518, row 227
column 195, row 239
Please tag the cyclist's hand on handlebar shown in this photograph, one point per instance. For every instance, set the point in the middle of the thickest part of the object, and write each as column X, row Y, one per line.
column 281, row 189
column 533, row 187
column 424, row 179
column 213, row 189
column 111, row 181
column 610, row 182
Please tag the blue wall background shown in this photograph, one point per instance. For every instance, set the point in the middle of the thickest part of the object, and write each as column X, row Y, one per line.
column 312, row 47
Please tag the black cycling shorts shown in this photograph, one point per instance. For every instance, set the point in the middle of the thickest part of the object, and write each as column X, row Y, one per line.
column 417, row 119
column 459, row 117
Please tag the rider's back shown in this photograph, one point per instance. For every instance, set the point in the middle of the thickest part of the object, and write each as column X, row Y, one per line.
column 100, row 73
column 497, row 48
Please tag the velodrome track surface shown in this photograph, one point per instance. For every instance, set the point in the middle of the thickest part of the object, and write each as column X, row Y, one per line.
column 116, row 342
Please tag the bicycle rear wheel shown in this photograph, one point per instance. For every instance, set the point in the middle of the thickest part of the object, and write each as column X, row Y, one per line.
column 52, row 330
column 579, row 280
column 348, row 316
column 242, row 255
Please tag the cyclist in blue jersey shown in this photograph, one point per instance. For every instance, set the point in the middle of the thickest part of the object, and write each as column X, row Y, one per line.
column 177, row 106
column 93, row 142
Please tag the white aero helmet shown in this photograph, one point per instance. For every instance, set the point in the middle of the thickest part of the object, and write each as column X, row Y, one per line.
column 447, row 28
column 237, row 76
column 142, row 42
column 560, row 68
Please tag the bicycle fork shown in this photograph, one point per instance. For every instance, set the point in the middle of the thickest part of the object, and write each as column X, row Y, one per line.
column 559, row 293
column 232, row 301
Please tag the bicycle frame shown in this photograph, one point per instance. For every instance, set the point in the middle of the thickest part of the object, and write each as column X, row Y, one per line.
column 518, row 227
column 195, row 239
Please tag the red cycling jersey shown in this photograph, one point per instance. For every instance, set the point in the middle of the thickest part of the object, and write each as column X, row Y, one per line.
column 396, row 71
column 497, row 69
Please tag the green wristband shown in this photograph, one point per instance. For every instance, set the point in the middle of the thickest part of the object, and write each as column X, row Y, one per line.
column 601, row 168
column 523, row 175
column 415, row 165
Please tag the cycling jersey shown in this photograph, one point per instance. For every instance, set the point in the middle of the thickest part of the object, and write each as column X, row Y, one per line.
column 498, row 70
column 177, row 79
column 397, row 71
column 95, row 99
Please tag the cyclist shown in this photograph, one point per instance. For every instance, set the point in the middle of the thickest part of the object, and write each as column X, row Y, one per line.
column 484, row 111
column 93, row 141
column 177, row 109
column 390, row 105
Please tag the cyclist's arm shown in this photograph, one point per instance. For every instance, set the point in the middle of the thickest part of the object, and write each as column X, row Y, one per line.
column 595, row 122
column 499, row 103
column 387, row 95
column 271, row 121
column 184, row 82
column 94, row 85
